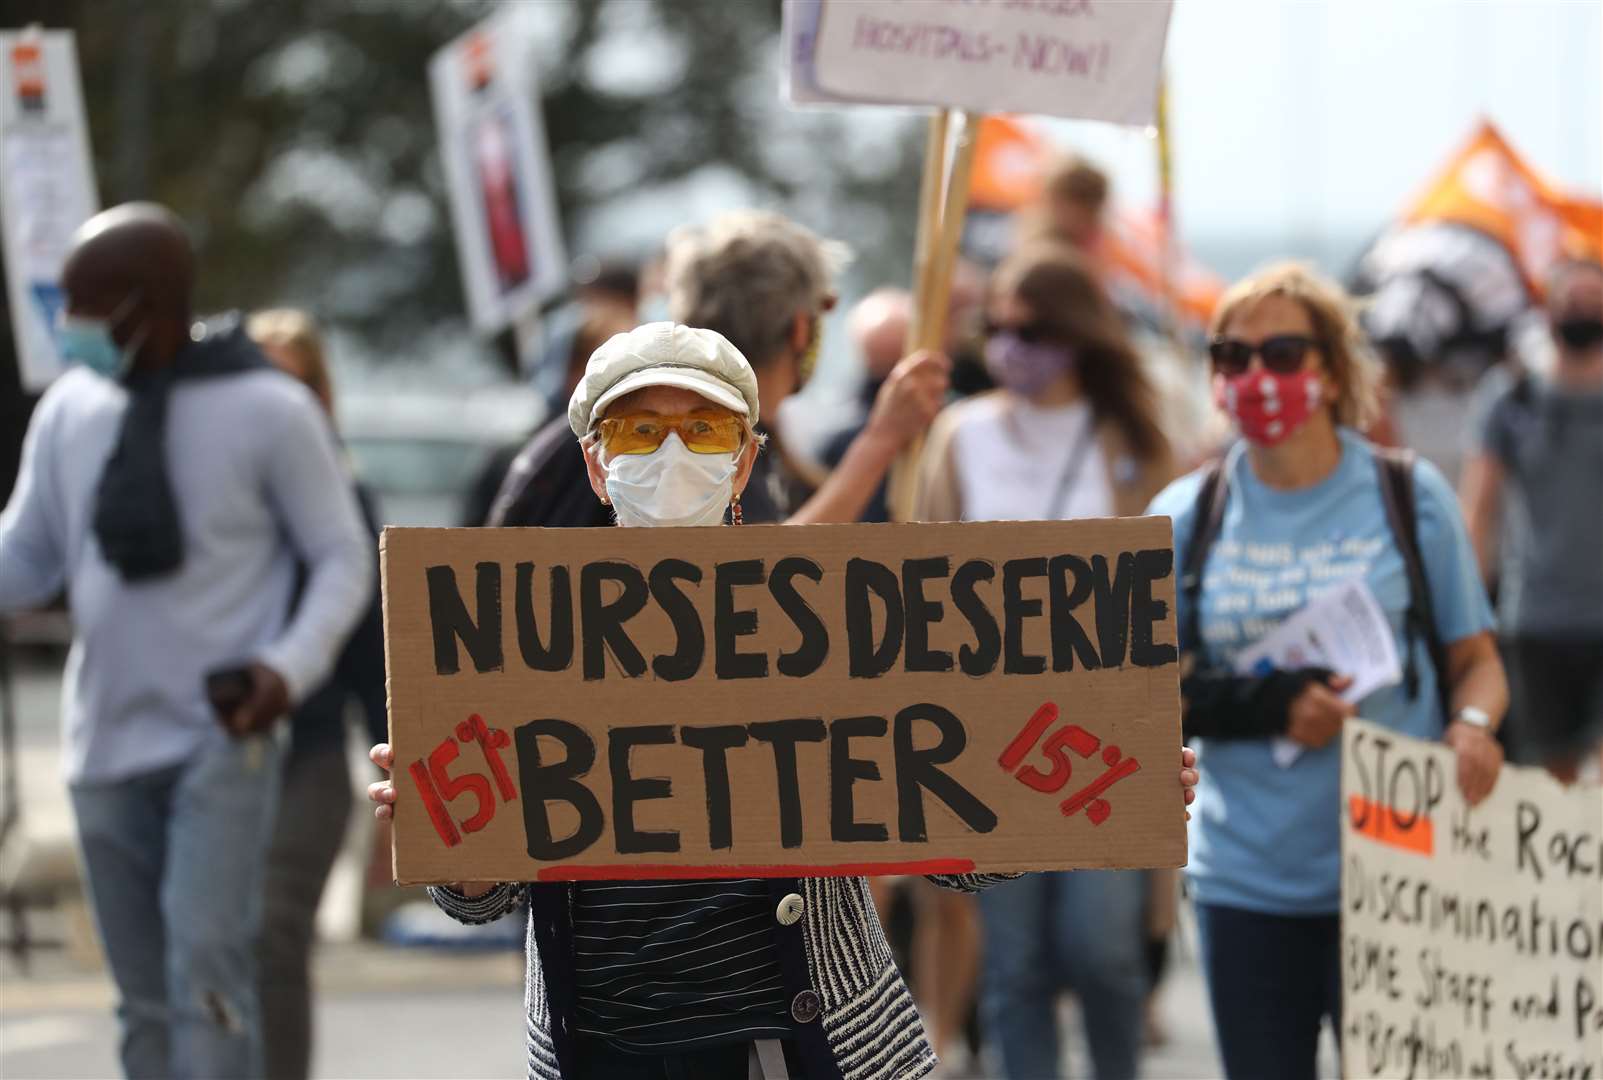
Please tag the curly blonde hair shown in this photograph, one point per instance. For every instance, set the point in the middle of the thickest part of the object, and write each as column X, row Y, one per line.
column 1353, row 367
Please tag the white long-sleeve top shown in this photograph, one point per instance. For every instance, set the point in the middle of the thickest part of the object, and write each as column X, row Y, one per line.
column 259, row 486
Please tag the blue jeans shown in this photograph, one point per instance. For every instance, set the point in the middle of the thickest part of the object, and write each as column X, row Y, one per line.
column 1271, row 980
column 1084, row 931
column 174, row 861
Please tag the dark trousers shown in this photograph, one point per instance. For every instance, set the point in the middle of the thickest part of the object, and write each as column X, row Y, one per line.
column 313, row 808
column 598, row 1061
column 1271, row 980
column 1556, row 687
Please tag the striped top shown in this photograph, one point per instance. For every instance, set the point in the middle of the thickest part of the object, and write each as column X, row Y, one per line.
column 853, row 1018
column 672, row 966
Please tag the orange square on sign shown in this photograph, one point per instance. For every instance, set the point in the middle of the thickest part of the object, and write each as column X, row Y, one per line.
column 1379, row 823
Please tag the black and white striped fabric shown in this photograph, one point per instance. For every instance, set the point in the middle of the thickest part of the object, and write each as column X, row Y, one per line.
column 671, row 966
column 865, row 1013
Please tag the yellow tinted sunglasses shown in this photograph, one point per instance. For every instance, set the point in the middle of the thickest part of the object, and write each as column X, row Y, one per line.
column 713, row 431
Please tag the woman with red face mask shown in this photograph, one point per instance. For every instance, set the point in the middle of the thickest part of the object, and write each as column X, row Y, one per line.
column 1300, row 505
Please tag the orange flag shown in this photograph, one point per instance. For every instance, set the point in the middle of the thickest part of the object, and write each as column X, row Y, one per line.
column 1488, row 186
column 1132, row 249
column 1010, row 164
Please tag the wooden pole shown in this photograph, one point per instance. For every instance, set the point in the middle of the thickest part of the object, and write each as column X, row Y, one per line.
column 934, row 294
column 929, row 217
column 1166, row 223
column 953, row 214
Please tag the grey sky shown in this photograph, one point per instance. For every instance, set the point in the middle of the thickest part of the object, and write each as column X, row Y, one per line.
column 1301, row 127
column 1307, row 125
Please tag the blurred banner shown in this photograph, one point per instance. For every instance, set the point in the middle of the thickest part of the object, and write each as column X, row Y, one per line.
column 47, row 187
column 1488, row 186
column 498, row 172
column 1447, row 285
column 1091, row 61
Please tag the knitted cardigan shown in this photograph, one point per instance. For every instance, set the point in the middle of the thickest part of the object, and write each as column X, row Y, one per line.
column 854, row 1017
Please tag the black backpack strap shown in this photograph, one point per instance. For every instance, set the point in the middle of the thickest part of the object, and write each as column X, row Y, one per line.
column 1208, row 513
column 1396, row 475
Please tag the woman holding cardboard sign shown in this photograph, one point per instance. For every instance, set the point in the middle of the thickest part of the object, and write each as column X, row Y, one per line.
column 1071, row 433
column 1302, row 507
column 707, row 979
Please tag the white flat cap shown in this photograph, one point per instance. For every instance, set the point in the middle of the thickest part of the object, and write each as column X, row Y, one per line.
column 663, row 354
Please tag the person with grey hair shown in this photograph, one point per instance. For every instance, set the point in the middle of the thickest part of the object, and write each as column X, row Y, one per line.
column 765, row 283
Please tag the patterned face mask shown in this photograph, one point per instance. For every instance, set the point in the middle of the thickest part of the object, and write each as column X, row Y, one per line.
column 1268, row 407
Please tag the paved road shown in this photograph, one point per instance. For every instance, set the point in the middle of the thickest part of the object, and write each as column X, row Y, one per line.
column 402, row 1014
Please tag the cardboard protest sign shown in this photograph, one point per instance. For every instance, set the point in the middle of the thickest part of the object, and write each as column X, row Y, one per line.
column 1091, row 59
column 586, row 704
column 1472, row 940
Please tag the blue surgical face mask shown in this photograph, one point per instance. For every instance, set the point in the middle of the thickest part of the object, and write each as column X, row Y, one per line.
column 89, row 342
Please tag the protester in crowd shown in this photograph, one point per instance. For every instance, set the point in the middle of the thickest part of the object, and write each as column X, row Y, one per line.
column 1306, row 503
column 1072, row 433
column 610, row 285
column 765, row 283
column 878, row 325
column 965, row 319
column 604, row 299
column 1073, row 206
column 668, row 416
column 1538, row 465
column 546, row 484
column 878, row 328
column 173, row 482
column 315, row 798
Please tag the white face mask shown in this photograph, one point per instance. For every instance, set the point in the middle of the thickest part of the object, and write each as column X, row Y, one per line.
column 671, row 486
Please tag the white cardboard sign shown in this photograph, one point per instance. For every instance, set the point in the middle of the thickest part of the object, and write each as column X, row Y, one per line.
column 47, row 187
column 1089, row 59
column 493, row 147
column 1472, row 939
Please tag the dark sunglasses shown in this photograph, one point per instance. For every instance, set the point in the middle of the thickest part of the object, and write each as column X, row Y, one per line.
column 1282, row 354
column 1029, row 333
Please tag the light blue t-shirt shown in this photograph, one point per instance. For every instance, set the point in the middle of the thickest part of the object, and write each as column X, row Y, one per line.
column 1267, row 838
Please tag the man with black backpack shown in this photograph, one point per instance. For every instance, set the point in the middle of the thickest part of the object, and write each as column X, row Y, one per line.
column 1303, row 504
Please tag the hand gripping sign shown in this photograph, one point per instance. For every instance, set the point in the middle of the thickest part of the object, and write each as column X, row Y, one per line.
column 769, row 701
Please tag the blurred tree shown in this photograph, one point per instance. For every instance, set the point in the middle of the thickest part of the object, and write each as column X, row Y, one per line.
column 297, row 138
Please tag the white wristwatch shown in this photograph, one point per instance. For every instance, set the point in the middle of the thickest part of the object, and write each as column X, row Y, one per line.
column 1474, row 717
